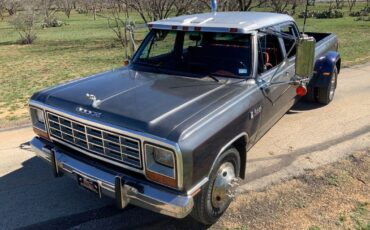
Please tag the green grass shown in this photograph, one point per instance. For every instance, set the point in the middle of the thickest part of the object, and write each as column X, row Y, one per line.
column 84, row 47
column 81, row 48
column 360, row 216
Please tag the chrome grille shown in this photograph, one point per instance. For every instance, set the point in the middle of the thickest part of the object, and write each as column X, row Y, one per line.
column 110, row 145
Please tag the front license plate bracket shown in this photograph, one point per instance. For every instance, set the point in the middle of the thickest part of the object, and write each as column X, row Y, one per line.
column 89, row 184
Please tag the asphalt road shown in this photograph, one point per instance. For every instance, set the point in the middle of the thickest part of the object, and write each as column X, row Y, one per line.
column 307, row 137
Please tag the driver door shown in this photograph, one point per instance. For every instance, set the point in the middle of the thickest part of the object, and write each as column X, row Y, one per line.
column 274, row 76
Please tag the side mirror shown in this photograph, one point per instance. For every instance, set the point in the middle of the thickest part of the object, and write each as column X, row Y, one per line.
column 305, row 57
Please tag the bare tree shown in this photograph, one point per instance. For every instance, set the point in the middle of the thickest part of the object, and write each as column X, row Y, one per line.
column 339, row 4
column 48, row 8
column 2, row 8
column 279, row 6
column 24, row 23
column 66, row 6
column 247, row 5
column 94, row 6
column 123, row 27
column 91, row 6
column 11, row 6
column 152, row 10
column 351, row 4
column 236, row 5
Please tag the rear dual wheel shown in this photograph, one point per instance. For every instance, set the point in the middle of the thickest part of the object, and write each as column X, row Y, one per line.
column 326, row 95
column 216, row 195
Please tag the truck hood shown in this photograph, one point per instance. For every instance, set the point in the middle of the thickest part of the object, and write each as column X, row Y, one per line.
column 140, row 101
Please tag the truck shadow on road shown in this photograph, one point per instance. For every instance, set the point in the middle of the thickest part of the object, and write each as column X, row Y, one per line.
column 304, row 106
column 31, row 198
column 285, row 160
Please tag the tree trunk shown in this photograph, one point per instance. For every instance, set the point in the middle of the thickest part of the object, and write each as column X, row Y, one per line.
column 11, row 11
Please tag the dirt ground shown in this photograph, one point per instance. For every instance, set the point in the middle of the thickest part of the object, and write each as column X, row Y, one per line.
column 335, row 196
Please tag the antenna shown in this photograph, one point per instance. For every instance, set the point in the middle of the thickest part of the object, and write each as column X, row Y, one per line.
column 214, row 6
column 305, row 17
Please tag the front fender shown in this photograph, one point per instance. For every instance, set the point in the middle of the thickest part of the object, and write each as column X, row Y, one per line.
column 324, row 68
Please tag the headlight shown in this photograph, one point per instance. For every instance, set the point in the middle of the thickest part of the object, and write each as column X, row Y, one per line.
column 38, row 118
column 164, row 157
column 161, row 165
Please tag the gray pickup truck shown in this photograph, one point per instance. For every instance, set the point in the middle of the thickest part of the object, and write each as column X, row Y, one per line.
column 170, row 132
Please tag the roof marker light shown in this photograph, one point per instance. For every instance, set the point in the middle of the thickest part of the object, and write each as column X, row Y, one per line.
column 233, row 30
column 197, row 29
column 174, row 27
column 185, row 28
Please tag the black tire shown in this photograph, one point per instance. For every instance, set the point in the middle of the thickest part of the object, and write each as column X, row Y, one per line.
column 311, row 95
column 326, row 95
column 203, row 211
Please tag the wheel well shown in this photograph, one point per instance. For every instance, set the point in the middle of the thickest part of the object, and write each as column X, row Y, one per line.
column 241, row 145
column 338, row 64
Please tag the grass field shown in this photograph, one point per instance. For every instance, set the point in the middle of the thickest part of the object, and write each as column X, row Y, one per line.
column 85, row 46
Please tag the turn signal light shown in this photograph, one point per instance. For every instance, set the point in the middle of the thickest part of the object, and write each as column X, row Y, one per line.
column 301, row 91
column 41, row 133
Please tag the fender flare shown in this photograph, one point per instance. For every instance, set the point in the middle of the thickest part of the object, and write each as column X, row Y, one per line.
column 244, row 139
column 323, row 66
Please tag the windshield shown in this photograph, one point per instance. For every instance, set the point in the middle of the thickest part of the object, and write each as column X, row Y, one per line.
column 196, row 53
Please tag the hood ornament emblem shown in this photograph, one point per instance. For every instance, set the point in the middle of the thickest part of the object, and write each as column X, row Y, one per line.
column 95, row 102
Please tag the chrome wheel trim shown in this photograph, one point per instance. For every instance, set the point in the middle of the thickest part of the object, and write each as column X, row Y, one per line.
column 221, row 187
column 332, row 86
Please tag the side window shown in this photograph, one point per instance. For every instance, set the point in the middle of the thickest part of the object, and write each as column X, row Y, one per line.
column 291, row 30
column 162, row 44
column 269, row 52
column 191, row 39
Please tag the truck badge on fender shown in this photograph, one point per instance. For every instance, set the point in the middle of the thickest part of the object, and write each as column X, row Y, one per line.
column 255, row 112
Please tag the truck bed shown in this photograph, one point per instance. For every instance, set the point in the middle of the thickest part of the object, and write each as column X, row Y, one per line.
column 324, row 43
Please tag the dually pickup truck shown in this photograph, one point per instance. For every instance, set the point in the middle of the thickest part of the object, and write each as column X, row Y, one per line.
column 170, row 131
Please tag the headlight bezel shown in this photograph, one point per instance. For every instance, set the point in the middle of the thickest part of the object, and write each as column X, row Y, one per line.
column 158, row 172
column 37, row 121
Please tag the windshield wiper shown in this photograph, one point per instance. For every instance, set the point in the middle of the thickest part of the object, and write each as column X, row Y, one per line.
column 210, row 75
column 149, row 65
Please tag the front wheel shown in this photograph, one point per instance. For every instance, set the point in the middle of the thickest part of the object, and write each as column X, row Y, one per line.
column 326, row 95
column 216, row 195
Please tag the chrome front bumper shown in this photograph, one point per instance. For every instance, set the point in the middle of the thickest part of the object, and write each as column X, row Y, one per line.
column 115, row 185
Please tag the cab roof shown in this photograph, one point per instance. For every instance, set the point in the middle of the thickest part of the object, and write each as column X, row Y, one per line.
column 241, row 22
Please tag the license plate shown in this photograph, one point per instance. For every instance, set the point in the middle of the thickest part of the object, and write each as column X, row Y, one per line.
column 89, row 184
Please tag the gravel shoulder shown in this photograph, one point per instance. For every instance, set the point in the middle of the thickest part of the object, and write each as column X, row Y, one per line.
column 335, row 196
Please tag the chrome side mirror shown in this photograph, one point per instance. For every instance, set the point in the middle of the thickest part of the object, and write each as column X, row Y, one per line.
column 305, row 57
